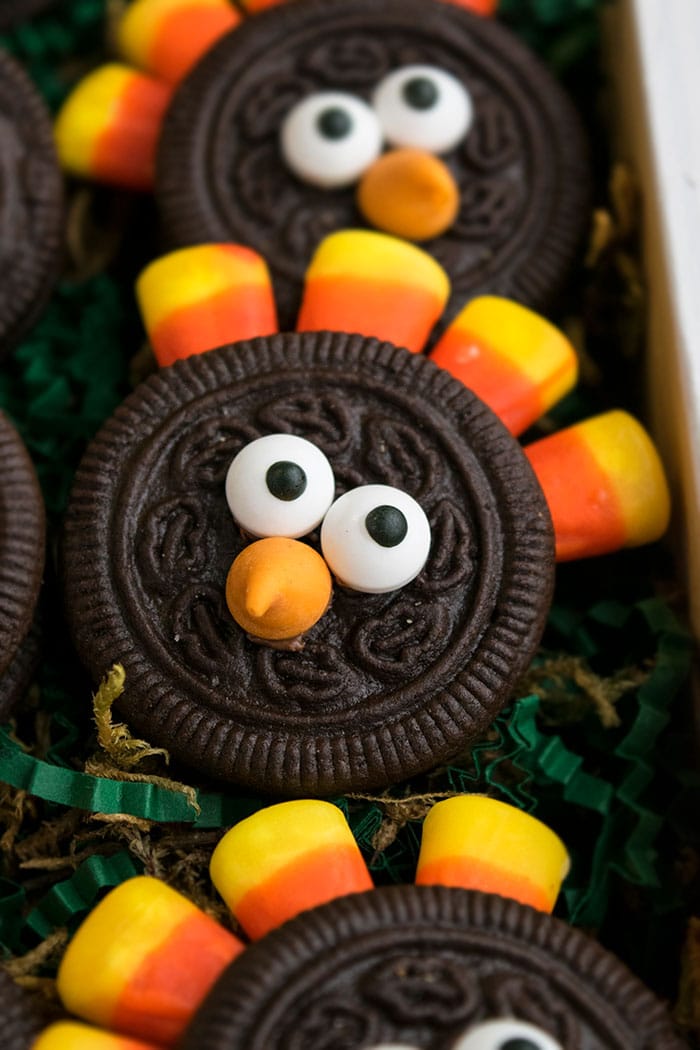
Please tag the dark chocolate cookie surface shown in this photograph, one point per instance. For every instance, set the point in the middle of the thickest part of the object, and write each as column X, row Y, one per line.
column 387, row 684
column 31, row 204
column 20, row 1026
column 521, row 170
column 429, row 968
column 22, row 541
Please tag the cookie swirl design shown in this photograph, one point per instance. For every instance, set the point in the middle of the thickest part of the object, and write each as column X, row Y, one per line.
column 394, row 681
column 521, row 168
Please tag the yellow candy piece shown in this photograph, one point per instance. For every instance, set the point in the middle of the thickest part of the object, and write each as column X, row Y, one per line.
column 284, row 859
column 482, row 844
column 167, row 37
column 69, row 1035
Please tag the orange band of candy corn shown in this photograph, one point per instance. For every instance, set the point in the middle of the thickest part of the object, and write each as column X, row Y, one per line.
column 167, row 37
column 284, row 859
column 604, row 483
column 370, row 283
column 510, row 356
column 130, row 965
column 482, row 844
column 108, row 127
column 195, row 299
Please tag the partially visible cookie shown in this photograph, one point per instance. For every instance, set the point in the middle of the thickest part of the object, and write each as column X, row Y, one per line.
column 19, row 1025
column 432, row 968
column 520, row 170
column 388, row 684
column 31, row 204
column 22, row 551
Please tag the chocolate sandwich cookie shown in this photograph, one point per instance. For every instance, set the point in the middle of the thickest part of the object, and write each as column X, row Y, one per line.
column 31, row 204
column 387, row 685
column 22, row 548
column 428, row 968
column 20, row 1024
column 314, row 93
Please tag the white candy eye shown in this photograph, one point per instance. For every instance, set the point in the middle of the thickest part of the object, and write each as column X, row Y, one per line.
column 506, row 1034
column 279, row 485
column 423, row 107
column 375, row 539
column 330, row 138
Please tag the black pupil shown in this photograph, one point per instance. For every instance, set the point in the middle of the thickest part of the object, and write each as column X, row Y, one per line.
column 519, row 1044
column 386, row 525
column 420, row 92
column 286, row 480
column 334, row 123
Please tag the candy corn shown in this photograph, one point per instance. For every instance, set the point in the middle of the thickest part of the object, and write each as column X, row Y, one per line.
column 68, row 1035
column 604, row 483
column 513, row 359
column 482, row 844
column 167, row 37
column 143, row 961
column 285, row 859
column 367, row 282
column 109, row 126
column 198, row 298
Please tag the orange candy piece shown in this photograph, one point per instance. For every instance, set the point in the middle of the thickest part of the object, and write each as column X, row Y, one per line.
column 108, row 128
column 195, row 299
column 277, row 588
column 285, row 859
column 167, row 37
column 605, row 485
column 130, row 965
column 510, row 356
column 373, row 284
column 409, row 193
column 482, row 844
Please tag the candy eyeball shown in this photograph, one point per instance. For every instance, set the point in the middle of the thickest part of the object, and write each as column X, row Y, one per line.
column 506, row 1034
column 375, row 539
column 330, row 138
column 279, row 485
column 423, row 107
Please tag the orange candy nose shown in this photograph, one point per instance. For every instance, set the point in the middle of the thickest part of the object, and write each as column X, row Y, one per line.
column 513, row 359
column 409, row 193
column 130, row 965
column 482, row 844
column 277, row 588
column 167, row 37
column 367, row 282
column 284, row 859
column 195, row 299
column 605, row 485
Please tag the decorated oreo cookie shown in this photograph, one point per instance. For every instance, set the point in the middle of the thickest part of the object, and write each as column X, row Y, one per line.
column 31, row 210
column 414, row 117
column 22, row 548
column 466, row 959
column 387, row 684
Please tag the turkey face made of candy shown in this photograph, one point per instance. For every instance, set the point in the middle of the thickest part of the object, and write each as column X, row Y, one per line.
column 415, row 117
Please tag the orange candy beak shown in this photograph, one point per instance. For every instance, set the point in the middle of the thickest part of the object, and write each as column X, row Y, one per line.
column 284, row 859
column 409, row 193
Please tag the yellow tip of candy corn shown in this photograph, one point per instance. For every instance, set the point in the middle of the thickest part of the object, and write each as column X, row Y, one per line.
column 604, row 483
column 284, row 859
column 511, row 357
column 482, row 844
column 69, row 1035
column 373, row 284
